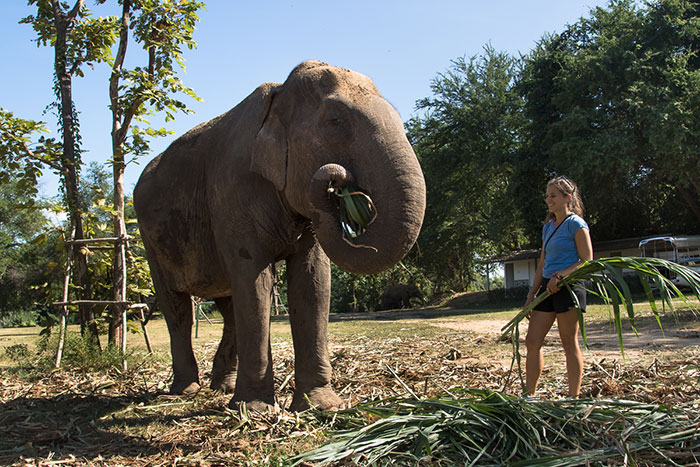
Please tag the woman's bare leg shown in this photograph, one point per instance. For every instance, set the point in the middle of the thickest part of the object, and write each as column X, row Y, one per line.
column 568, row 332
column 540, row 324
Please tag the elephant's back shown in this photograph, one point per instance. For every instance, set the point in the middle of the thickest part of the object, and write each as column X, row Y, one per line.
column 220, row 144
column 171, row 197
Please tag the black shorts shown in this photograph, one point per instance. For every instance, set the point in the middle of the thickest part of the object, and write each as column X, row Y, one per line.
column 561, row 301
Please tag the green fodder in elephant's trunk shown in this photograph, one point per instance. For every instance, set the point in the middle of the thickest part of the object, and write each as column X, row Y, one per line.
column 398, row 198
column 356, row 210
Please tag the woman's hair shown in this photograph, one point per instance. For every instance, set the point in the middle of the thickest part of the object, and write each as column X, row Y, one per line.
column 567, row 187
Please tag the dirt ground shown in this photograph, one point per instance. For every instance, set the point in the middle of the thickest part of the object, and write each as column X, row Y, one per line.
column 601, row 337
column 71, row 417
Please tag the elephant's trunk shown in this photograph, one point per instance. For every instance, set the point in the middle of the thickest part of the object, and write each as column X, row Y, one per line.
column 398, row 194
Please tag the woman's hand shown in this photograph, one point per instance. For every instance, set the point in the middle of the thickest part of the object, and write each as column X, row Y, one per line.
column 553, row 284
column 528, row 300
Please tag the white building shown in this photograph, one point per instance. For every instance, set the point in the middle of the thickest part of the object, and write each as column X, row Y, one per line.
column 519, row 266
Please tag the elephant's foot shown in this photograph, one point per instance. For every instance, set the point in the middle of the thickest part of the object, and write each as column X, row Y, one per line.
column 185, row 388
column 223, row 382
column 255, row 406
column 323, row 399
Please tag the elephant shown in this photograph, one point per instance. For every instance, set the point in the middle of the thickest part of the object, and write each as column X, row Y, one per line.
column 399, row 296
column 231, row 199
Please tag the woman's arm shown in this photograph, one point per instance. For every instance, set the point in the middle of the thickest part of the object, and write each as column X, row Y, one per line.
column 537, row 281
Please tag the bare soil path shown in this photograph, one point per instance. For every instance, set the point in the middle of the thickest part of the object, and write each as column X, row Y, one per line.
column 601, row 336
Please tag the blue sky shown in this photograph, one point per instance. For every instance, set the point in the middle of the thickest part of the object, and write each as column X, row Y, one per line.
column 401, row 44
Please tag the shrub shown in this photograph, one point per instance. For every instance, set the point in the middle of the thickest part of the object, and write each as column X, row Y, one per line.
column 80, row 353
column 17, row 352
column 18, row 319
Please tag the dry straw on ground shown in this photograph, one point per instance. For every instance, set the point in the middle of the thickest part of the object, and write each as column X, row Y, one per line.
column 74, row 418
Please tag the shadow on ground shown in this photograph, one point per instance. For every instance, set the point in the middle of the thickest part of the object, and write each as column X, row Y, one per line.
column 85, row 426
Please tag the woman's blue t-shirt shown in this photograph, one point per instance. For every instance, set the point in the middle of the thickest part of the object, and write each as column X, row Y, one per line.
column 560, row 251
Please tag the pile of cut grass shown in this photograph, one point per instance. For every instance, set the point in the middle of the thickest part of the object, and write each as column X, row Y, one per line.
column 480, row 427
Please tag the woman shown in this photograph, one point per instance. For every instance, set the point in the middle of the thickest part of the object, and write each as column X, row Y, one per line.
column 566, row 245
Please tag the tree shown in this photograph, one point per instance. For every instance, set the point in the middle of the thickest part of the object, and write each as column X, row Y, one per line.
column 78, row 40
column 162, row 28
column 21, row 157
column 612, row 102
column 357, row 293
column 465, row 142
column 26, row 262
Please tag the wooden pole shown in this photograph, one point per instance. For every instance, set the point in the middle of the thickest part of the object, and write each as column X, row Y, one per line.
column 197, row 311
column 145, row 332
column 123, row 304
column 91, row 302
column 64, row 308
column 84, row 241
column 488, row 280
column 122, row 253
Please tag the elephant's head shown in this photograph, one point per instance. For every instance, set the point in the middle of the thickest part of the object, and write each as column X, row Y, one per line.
column 327, row 126
column 414, row 292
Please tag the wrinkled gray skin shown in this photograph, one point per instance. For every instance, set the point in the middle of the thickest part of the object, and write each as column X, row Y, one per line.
column 234, row 196
column 399, row 296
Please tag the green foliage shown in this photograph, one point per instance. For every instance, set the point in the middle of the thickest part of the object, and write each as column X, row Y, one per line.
column 17, row 352
column 480, row 427
column 465, row 141
column 12, row 318
column 612, row 102
column 22, row 157
column 603, row 278
column 354, row 293
column 88, row 39
column 163, row 29
column 81, row 353
column 30, row 254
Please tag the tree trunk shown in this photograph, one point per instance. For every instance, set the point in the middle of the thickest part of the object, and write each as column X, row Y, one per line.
column 118, row 167
column 689, row 200
column 70, row 164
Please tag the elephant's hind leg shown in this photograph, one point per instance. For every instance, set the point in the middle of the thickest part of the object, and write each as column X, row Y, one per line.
column 223, row 376
column 252, row 299
column 178, row 310
column 179, row 319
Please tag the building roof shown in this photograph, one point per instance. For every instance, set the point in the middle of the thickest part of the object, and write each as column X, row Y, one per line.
column 620, row 244
column 513, row 256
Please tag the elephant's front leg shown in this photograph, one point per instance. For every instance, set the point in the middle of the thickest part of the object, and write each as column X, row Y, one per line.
column 251, row 301
column 309, row 284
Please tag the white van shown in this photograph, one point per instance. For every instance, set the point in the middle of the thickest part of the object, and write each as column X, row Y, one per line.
column 682, row 249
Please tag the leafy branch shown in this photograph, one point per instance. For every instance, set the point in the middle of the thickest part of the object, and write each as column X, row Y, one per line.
column 606, row 281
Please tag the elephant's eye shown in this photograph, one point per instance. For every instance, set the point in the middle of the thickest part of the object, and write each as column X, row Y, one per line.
column 335, row 120
column 336, row 125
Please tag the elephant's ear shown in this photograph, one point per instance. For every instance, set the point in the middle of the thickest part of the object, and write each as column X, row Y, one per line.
column 269, row 157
